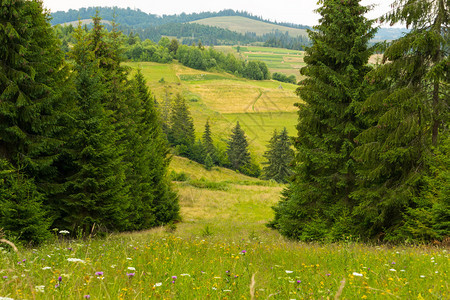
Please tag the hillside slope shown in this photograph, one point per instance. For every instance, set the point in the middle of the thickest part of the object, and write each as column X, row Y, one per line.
column 223, row 99
column 244, row 25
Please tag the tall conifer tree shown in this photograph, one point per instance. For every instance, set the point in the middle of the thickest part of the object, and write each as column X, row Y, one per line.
column 181, row 132
column 407, row 115
column 96, row 193
column 317, row 202
column 279, row 157
column 207, row 144
column 33, row 77
column 237, row 150
column 152, row 200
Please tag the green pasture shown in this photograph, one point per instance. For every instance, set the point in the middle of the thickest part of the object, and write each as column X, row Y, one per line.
column 221, row 250
column 223, row 99
column 243, row 25
column 280, row 60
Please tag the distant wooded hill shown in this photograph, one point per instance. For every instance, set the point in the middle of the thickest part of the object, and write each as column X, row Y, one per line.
column 226, row 27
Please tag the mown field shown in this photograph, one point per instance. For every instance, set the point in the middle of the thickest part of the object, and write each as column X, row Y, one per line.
column 221, row 250
column 223, row 99
column 279, row 60
column 244, row 25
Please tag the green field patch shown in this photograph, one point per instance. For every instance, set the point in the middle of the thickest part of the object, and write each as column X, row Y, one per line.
column 202, row 77
column 243, row 25
column 259, row 128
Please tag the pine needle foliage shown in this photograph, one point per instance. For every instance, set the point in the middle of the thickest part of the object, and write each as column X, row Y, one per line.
column 22, row 215
column 237, row 151
column 96, row 192
column 33, row 80
column 181, row 132
column 208, row 146
column 279, row 156
column 317, row 203
column 153, row 202
column 407, row 116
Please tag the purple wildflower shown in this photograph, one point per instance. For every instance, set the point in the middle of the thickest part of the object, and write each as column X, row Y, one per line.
column 57, row 286
column 87, row 296
column 5, row 277
column 299, row 281
column 174, row 277
column 99, row 273
column 130, row 275
column 243, row 251
column 59, row 278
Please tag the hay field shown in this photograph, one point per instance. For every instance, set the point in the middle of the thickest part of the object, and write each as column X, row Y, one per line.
column 243, row 25
column 223, row 99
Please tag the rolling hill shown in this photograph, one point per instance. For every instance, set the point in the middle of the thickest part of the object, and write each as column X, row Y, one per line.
column 244, row 25
column 259, row 106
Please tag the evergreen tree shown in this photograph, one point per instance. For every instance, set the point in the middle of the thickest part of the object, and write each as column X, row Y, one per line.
column 406, row 115
column 32, row 74
column 33, row 80
column 279, row 157
column 207, row 144
column 181, row 133
column 152, row 200
column 95, row 193
column 208, row 162
column 238, row 153
column 22, row 215
column 317, row 203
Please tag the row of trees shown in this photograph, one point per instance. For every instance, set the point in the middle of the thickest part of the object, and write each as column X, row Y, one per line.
column 81, row 145
column 372, row 145
column 154, row 28
column 180, row 131
column 197, row 57
column 194, row 56
column 140, row 19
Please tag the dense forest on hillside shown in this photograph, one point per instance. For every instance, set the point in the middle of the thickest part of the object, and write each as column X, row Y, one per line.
column 138, row 18
column 153, row 27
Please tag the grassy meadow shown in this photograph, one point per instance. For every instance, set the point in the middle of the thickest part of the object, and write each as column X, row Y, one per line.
column 279, row 60
column 221, row 250
column 259, row 106
column 244, row 25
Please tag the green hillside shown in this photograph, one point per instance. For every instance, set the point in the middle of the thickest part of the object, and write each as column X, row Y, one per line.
column 243, row 25
column 259, row 106
column 84, row 22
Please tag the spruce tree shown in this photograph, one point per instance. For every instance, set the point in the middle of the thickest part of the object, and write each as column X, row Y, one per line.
column 152, row 200
column 279, row 157
column 22, row 215
column 182, row 132
column 33, row 101
column 317, row 203
column 32, row 79
column 237, row 151
column 207, row 144
column 407, row 114
column 95, row 190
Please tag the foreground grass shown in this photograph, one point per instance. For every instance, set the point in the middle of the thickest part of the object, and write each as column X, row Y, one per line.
column 221, row 250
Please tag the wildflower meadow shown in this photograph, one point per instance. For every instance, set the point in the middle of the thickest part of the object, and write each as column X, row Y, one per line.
column 215, row 254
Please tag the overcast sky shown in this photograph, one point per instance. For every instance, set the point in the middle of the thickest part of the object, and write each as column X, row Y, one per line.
column 294, row 11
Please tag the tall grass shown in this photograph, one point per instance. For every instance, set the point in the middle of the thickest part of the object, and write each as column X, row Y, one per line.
column 221, row 250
